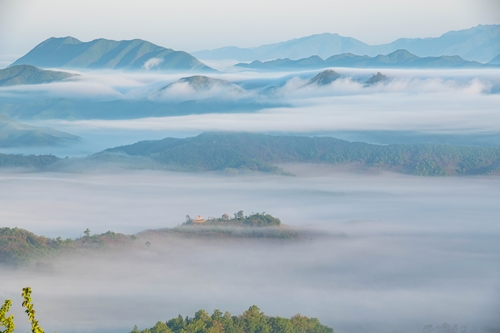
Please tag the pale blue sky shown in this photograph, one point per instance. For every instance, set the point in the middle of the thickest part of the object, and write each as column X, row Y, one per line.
column 192, row 25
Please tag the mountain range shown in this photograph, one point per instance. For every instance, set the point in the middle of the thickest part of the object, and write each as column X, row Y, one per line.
column 480, row 43
column 27, row 74
column 396, row 59
column 69, row 52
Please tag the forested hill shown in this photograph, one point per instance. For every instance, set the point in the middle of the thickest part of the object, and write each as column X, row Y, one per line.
column 252, row 320
column 19, row 246
column 260, row 152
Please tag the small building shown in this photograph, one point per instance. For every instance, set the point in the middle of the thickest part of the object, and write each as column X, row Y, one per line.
column 198, row 220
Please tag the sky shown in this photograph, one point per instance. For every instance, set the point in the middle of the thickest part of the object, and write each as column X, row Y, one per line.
column 193, row 25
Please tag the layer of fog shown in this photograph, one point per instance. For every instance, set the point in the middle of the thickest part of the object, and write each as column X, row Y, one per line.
column 403, row 251
column 110, row 85
column 442, row 102
column 452, row 112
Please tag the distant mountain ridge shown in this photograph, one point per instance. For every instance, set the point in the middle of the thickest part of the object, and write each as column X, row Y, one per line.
column 69, row 52
column 27, row 74
column 480, row 43
column 396, row 59
column 16, row 134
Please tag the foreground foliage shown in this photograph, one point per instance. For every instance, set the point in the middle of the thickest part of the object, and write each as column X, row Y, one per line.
column 8, row 322
column 251, row 321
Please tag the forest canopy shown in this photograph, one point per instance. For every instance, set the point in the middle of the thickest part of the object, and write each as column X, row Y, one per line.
column 250, row 321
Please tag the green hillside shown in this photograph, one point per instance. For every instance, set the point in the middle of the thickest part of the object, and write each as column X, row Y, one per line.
column 69, row 52
column 260, row 152
column 19, row 246
column 250, row 321
column 27, row 74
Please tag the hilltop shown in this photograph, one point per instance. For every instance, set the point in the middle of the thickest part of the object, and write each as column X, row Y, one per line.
column 27, row 74
column 199, row 84
column 136, row 54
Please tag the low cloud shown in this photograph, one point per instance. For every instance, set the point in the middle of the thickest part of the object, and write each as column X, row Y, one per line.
column 399, row 252
column 151, row 63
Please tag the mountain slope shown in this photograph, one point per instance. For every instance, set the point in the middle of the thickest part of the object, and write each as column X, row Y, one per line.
column 27, row 74
column 203, row 83
column 495, row 61
column 15, row 134
column 69, row 52
column 480, row 43
column 324, row 78
column 396, row 59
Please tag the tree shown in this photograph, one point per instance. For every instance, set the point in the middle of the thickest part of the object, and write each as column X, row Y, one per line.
column 7, row 322
column 188, row 218
column 35, row 328
column 87, row 232
column 239, row 214
column 225, row 217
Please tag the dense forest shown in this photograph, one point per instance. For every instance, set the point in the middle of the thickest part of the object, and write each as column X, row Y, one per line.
column 260, row 152
column 250, row 321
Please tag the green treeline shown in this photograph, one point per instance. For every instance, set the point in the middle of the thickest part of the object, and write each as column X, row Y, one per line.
column 19, row 246
column 251, row 321
column 33, row 161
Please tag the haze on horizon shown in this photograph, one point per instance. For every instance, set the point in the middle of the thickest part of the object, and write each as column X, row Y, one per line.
column 195, row 25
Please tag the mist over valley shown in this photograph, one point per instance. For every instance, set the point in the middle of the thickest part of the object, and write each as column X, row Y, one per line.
column 139, row 183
